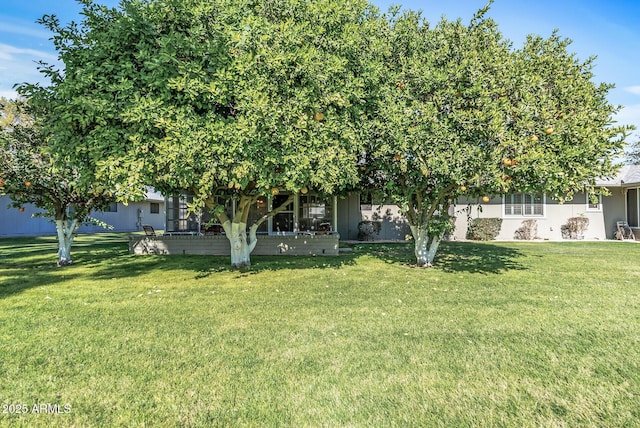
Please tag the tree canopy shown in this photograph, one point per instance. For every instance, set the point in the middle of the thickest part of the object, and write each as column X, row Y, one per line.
column 249, row 98
column 210, row 96
column 31, row 173
column 464, row 115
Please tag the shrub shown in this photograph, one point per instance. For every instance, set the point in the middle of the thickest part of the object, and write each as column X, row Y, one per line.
column 484, row 229
column 575, row 228
column 528, row 231
column 367, row 229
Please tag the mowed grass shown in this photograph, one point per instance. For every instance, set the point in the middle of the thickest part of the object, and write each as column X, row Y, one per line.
column 497, row 334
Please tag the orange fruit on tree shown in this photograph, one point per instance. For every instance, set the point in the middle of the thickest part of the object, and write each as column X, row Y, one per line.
column 27, row 183
column 485, row 199
column 534, row 138
column 549, row 130
column 275, row 191
column 319, row 116
column 463, row 188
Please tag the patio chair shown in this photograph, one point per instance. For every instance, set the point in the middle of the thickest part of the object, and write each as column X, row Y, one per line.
column 148, row 230
column 624, row 231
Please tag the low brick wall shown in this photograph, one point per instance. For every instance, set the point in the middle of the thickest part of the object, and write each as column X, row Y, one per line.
column 294, row 245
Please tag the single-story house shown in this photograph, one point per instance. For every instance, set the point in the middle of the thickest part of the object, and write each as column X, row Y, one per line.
column 305, row 226
column 123, row 218
column 623, row 204
column 313, row 223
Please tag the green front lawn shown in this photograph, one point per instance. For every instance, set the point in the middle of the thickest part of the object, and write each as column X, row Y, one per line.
column 498, row 334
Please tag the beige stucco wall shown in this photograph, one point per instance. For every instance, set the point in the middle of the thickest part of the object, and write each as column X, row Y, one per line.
column 549, row 225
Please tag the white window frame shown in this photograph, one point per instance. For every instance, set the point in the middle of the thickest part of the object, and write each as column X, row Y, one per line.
column 510, row 200
column 590, row 206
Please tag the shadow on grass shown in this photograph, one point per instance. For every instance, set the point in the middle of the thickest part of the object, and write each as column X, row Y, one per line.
column 470, row 257
column 30, row 262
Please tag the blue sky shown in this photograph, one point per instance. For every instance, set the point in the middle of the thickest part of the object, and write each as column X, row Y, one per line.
column 608, row 29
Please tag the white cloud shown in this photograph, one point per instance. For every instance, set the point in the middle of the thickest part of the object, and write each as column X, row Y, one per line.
column 24, row 30
column 630, row 115
column 8, row 52
column 8, row 94
column 20, row 65
column 633, row 89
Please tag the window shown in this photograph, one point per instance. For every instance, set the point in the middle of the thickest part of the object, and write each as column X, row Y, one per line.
column 366, row 201
column 315, row 213
column 283, row 221
column 633, row 207
column 524, row 205
column 112, row 208
column 209, row 222
column 256, row 212
column 179, row 219
column 594, row 204
column 154, row 208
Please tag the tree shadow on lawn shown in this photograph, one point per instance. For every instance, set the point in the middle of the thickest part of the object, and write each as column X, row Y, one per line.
column 31, row 262
column 452, row 257
column 119, row 264
column 20, row 279
column 29, row 266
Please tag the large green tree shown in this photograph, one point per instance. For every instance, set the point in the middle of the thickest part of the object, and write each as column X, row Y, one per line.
column 633, row 154
column 464, row 115
column 30, row 173
column 216, row 97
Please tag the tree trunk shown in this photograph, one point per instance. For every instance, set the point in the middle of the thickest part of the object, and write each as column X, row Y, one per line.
column 236, row 230
column 240, row 248
column 66, row 231
column 425, row 247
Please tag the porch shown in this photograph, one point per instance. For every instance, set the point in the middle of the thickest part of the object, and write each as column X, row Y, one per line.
column 218, row 245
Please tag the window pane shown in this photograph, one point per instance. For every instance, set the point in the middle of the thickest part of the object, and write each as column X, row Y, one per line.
column 178, row 217
column 632, row 207
column 520, row 204
column 283, row 221
column 315, row 213
column 590, row 203
column 538, row 209
column 536, row 204
column 256, row 212
column 154, row 208
column 508, row 205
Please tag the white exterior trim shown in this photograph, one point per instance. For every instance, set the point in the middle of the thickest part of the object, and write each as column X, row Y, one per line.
column 592, row 209
column 524, row 216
